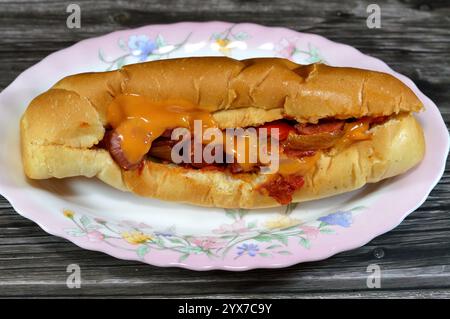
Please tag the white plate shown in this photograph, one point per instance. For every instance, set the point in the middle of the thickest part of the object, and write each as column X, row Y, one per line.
column 97, row 217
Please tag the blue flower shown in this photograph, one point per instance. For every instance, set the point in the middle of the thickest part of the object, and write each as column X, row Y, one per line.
column 168, row 232
column 341, row 218
column 164, row 233
column 250, row 249
column 141, row 46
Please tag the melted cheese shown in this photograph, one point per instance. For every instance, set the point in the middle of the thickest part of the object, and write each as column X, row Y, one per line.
column 242, row 156
column 300, row 165
column 354, row 132
column 139, row 121
column 357, row 131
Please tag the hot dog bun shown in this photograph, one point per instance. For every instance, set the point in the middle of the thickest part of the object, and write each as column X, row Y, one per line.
column 61, row 127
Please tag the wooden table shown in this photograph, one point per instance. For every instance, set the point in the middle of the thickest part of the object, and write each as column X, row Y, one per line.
column 414, row 39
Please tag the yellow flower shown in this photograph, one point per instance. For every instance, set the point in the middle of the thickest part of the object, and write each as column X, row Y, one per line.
column 223, row 46
column 68, row 213
column 136, row 237
column 281, row 222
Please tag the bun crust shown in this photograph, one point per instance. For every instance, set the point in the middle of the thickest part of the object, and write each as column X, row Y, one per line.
column 61, row 127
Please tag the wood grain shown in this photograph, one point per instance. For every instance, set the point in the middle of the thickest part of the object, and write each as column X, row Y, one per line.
column 414, row 40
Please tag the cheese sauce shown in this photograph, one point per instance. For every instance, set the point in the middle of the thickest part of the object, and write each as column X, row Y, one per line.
column 297, row 165
column 139, row 121
column 354, row 132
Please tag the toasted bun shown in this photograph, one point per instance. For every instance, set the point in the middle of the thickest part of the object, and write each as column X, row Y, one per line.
column 61, row 127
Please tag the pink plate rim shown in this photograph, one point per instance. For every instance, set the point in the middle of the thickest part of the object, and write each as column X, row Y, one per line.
column 359, row 234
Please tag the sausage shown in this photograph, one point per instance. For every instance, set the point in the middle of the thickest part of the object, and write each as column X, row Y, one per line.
column 167, row 133
column 326, row 127
column 236, row 168
column 162, row 148
column 112, row 142
column 298, row 153
column 302, row 140
column 378, row 120
column 316, row 141
column 307, row 137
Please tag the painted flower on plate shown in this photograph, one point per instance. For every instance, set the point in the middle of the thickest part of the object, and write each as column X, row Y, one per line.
column 310, row 231
column 208, row 242
column 141, row 46
column 169, row 232
column 285, row 48
column 68, row 213
column 238, row 227
column 281, row 222
column 341, row 218
column 95, row 236
column 223, row 46
column 249, row 249
column 136, row 237
column 314, row 55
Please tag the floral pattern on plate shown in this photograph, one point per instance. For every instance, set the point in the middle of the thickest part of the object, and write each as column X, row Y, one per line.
column 140, row 48
column 289, row 49
column 241, row 236
column 227, row 40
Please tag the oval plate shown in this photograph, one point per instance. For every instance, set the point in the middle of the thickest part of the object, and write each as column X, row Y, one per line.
column 97, row 217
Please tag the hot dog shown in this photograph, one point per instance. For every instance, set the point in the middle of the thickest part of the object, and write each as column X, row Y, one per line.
column 336, row 129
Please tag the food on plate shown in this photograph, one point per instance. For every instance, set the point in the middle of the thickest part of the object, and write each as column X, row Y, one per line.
column 335, row 129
